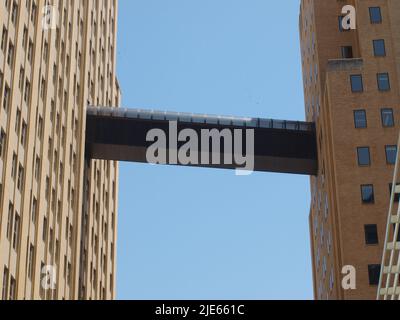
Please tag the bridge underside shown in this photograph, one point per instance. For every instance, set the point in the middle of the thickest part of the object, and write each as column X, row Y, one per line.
column 279, row 146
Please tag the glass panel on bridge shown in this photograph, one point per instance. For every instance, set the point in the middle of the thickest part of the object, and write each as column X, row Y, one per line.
column 199, row 118
column 266, row 123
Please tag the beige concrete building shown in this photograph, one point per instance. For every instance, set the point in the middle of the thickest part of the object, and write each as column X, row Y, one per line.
column 57, row 212
column 351, row 85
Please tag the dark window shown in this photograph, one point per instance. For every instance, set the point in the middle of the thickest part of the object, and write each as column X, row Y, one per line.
column 356, row 83
column 379, row 48
column 347, row 52
column 383, row 81
column 5, row 284
column 375, row 15
column 360, row 119
column 16, row 234
column 367, row 194
column 387, row 118
column 396, row 195
column 391, row 154
column 374, row 272
column 371, row 234
column 364, row 158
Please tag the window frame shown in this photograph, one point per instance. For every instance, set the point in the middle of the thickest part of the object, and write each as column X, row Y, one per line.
column 359, row 111
column 347, row 52
column 383, row 118
column 359, row 155
column 372, row 199
column 387, row 147
column 371, row 230
column 378, row 75
column 396, row 195
column 375, row 47
column 373, row 278
column 353, row 89
column 371, row 15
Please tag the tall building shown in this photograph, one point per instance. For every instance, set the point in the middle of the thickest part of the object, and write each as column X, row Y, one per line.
column 389, row 284
column 57, row 210
column 351, row 85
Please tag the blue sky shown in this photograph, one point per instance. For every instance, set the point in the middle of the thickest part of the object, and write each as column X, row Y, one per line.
column 187, row 233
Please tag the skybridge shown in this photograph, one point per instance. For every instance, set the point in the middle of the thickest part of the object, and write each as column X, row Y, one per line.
column 123, row 135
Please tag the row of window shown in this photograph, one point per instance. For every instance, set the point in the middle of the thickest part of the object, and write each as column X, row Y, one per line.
column 6, row 292
column 387, row 118
column 379, row 49
column 357, row 85
column 371, row 238
column 371, row 234
column 364, row 159
column 364, row 155
column 368, row 194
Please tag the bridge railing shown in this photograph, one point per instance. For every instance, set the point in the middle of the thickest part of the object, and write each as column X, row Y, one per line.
column 200, row 118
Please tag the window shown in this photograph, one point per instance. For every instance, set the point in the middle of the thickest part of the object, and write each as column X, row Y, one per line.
column 34, row 210
column 6, row 98
column 44, row 234
column 2, row 142
column 25, row 37
column 14, row 167
column 10, row 220
column 347, row 52
column 69, row 273
column 4, row 39
column 375, row 15
column 15, row 242
column 33, row 13
column 387, row 118
column 27, row 92
column 20, row 180
column 30, row 261
column 17, row 121
column 396, row 195
column 356, row 83
column 10, row 57
column 40, row 127
column 371, row 234
column 367, row 194
column 374, row 271
column 5, row 284
column 360, row 119
column 391, row 154
column 14, row 13
column 1, row 81
column 23, row 133
column 30, row 51
column 363, row 155
column 37, row 168
column 379, row 48
column 51, row 240
column 46, row 51
column 383, row 81
column 394, row 229
column 43, row 89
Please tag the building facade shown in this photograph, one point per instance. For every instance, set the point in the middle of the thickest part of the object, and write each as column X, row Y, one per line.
column 351, row 85
column 57, row 210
